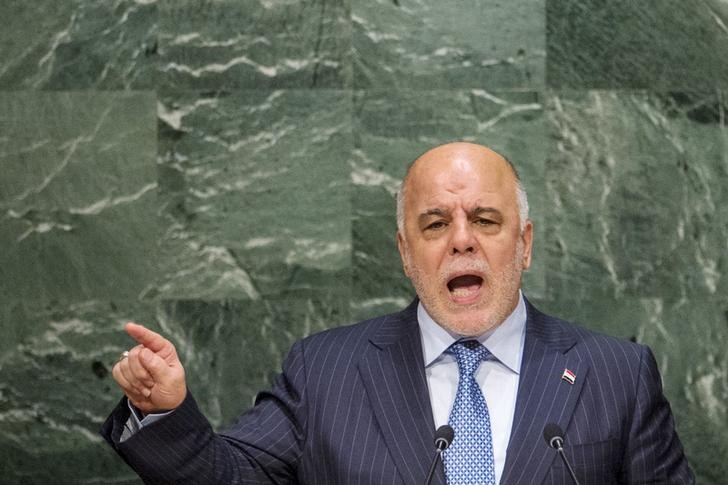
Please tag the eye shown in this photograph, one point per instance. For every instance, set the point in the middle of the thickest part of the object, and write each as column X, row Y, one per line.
column 435, row 226
column 484, row 222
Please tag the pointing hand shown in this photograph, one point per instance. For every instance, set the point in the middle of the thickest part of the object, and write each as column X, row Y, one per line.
column 151, row 375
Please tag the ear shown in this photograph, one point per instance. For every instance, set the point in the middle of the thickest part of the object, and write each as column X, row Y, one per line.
column 403, row 252
column 527, row 240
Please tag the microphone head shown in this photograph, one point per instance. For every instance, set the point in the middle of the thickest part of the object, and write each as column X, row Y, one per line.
column 444, row 436
column 553, row 434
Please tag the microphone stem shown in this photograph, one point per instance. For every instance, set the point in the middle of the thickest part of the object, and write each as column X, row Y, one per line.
column 560, row 449
column 438, row 452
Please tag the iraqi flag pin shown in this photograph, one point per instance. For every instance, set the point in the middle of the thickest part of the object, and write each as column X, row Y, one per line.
column 568, row 376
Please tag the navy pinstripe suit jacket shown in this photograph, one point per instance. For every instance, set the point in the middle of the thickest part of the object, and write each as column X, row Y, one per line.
column 352, row 407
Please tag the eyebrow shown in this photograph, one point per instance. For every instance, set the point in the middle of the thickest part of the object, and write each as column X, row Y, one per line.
column 481, row 210
column 432, row 212
column 437, row 212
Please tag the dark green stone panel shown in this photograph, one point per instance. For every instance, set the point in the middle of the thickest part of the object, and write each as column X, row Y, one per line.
column 253, row 44
column 255, row 188
column 645, row 181
column 77, row 44
column 636, row 240
column 659, row 44
column 431, row 44
column 78, row 196
column 392, row 128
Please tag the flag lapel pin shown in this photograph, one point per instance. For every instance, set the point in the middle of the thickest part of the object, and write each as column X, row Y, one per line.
column 568, row 376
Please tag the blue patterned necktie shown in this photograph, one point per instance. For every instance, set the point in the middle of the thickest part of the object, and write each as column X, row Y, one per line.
column 469, row 460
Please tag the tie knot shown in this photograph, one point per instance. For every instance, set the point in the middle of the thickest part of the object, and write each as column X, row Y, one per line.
column 469, row 354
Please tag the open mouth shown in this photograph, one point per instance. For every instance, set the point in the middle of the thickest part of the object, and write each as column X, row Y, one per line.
column 465, row 288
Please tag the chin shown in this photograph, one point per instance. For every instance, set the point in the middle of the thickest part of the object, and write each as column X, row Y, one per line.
column 469, row 321
column 469, row 324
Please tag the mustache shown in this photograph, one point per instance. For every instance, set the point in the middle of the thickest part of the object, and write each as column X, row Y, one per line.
column 477, row 266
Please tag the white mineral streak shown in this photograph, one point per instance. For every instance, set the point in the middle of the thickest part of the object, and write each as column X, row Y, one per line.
column 366, row 176
column 42, row 228
column 448, row 52
column 70, row 147
column 234, row 277
column 490, row 62
column 208, row 272
column 47, row 61
column 377, row 37
column 184, row 39
column 481, row 93
column 173, row 117
column 362, row 174
column 655, row 321
column 708, row 268
column 259, row 242
column 310, row 252
column 705, row 387
column 507, row 112
column 262, row 140
column 661, row 122
column 69, row 430
column 217, row 68
column 363, row 304
column 716, row 17
column 271, row 4
column 111, row 202
column 601, row 110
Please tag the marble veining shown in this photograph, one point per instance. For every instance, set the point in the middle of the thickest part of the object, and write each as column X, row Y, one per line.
column 225, row 172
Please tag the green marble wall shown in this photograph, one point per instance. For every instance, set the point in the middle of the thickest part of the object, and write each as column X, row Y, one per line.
column 224, row 171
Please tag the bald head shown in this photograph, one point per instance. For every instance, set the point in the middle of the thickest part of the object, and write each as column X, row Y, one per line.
column 459, row 153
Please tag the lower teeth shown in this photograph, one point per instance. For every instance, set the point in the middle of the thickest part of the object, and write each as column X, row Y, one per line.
column 462, row 292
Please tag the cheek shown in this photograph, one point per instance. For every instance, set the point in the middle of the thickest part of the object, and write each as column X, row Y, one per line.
column 501, row 253
column 429, row 257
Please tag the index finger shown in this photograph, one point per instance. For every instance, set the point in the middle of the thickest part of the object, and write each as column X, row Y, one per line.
column 148, row 338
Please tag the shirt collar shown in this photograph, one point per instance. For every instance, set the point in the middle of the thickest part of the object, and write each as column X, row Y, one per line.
column 505, row 342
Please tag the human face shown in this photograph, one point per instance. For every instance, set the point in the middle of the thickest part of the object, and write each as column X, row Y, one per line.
column 462, row 245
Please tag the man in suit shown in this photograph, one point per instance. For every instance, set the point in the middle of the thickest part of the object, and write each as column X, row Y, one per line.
column 360, row 404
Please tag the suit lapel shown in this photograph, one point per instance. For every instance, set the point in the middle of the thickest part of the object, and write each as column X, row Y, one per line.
column 543, row 397
column 393, row 373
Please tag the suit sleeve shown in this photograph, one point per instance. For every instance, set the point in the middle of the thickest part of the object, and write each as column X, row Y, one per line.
column 654, row 453
column 264, row 446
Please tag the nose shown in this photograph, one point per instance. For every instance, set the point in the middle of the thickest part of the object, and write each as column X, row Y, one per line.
column 462, row 238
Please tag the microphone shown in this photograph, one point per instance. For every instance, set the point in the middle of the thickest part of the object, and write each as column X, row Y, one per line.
column 443, row 437
column 554, row 436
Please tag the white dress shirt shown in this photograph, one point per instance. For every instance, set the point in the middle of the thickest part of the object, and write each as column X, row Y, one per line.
column 497, row 377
